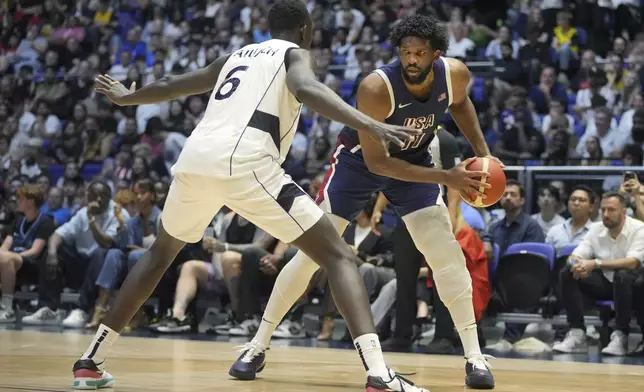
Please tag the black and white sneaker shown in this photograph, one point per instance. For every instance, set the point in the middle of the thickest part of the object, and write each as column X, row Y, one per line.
column 174, row 325
column 246, row 328
column 289, row 330
column 478, row 374
column 396, row 383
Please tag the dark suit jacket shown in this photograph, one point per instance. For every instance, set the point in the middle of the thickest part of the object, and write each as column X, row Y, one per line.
column 373, row 244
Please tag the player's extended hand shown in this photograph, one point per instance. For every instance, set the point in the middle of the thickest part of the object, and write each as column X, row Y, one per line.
column 395, row 134
column 113, row 89
column 469, row 181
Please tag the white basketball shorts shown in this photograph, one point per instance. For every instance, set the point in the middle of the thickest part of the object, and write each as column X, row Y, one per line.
column 266, row 196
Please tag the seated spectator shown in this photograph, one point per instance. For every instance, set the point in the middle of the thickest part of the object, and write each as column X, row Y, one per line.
column 565, row 41
column 142, row 229
column 198, row 275
column 259, row 269
column 557, row 110
column 611, row 140
column 547, row 90
column 573, row 230
column 76, row 252
column 626, row 121
column 23, row 248
column 548, row 201
column 237, row 235
column 54, row 207
column 375, row 252
column 516, row 227
column 459, row 44
column 596, row 88
column 494, row 49
column 632, row 155
column 604, row 267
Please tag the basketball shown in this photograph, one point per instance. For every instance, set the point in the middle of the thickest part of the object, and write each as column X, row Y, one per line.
column 496, row 179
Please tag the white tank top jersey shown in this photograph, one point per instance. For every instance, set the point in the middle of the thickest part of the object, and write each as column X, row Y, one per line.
column 251, row 117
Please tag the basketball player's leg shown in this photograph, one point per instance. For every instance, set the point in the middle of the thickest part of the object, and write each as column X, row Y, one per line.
column 188, row 210
column 291, row 283
column 290, row 215
column 341, row 206
column 427, row 219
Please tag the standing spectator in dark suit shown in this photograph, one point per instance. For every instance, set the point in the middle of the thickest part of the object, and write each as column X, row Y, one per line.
column 22, row 250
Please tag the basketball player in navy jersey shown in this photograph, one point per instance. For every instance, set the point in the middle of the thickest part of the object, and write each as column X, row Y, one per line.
column 416, row 91
column 233, row 158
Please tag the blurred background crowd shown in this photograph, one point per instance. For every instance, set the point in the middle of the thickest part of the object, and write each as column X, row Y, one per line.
column 556, row 84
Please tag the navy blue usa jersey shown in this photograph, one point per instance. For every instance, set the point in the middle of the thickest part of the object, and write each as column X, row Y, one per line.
column 406, row 110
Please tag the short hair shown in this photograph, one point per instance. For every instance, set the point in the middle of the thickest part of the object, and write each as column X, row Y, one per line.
column 32, row 192
column 584, row 188
column 287, row 15
column 99, row 181
column 147, row 185
column 634, row 150
column 617, row 195
column 517, row 184
column 553, row 191
column 421, row 26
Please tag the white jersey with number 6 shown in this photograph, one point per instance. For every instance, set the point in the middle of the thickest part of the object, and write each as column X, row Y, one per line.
column 251, row 117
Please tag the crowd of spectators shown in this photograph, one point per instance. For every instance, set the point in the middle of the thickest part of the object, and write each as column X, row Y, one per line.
column 556, row 82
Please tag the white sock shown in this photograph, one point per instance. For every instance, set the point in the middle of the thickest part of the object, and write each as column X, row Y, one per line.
column 7, row 301
column 368, row 347
column 102, row 341
column 291, row 282
column 470, row 340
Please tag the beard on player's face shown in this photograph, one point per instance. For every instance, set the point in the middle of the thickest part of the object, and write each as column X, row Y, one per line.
column 420, row 74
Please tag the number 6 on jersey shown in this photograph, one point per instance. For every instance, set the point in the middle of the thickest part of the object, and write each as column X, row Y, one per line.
column 232, row 81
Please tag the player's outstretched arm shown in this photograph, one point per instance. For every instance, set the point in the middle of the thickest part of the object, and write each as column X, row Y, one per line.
column 301, row 81
column 165, row 89
column 373, row 100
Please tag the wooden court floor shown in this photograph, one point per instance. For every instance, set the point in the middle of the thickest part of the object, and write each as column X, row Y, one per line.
column 38, row 361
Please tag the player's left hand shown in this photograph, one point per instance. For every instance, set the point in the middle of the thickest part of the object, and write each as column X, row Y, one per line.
column 113, row 89
column 497, row 160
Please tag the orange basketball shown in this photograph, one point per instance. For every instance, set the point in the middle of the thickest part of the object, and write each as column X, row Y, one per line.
column 496, row 179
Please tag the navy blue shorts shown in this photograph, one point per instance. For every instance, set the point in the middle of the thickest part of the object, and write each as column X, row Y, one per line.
column 348, row 187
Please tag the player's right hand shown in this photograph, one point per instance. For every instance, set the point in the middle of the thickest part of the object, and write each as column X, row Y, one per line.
column 113, row 89
column 462, row 179
column 395, row 134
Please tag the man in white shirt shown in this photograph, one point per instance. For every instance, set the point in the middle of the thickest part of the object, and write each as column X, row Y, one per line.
column 605, row 267
column 610, row 139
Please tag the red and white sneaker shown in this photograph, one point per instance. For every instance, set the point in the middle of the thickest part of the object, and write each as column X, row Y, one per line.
column 396, row 383
column 87, row 375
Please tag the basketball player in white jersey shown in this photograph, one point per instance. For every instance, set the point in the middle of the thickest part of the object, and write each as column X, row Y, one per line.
column 233, row 158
